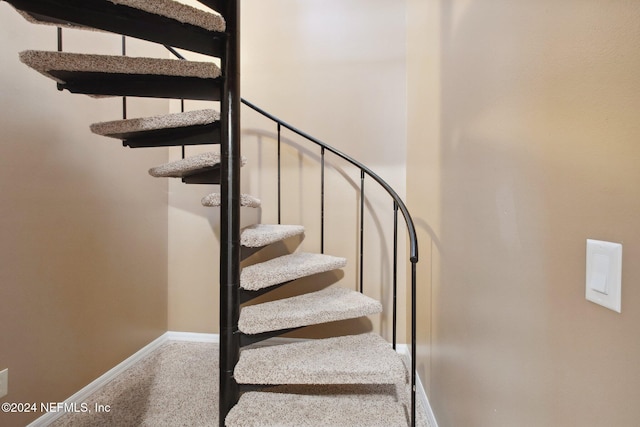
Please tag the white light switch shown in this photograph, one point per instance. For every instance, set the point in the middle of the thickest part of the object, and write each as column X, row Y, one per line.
column 599, row 273
column 604, row 274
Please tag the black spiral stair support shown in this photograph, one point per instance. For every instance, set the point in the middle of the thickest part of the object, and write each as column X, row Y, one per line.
column 230, row 211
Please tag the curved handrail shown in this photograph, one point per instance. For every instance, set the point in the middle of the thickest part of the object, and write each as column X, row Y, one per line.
column 413, row 244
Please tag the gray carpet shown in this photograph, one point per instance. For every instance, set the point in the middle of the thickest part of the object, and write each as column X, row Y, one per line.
column 214, row 200
column 177, row 385
column 287, row 267
column 313, row 308
column 117, row 128
column 47, row 62
column 259, row 235
column 188, row 165
column 352, row 359
column 178, row 11
column 165, row 8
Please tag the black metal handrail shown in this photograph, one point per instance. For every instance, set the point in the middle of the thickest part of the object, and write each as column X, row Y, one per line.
column 398, row 204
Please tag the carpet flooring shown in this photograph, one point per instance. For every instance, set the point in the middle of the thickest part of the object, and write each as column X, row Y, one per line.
column 176, row 385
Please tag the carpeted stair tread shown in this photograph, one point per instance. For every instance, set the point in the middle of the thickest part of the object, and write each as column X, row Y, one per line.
column 287, row 268
column 107, row 75
column 188, row 166
column 354, row 359
column 46, row 62
column 164, row 8
column 261, row 409
column 215, row 200
column 123, row 129
column 259, row 235
column 178, row 11
column 327, row 305
column 167, row 22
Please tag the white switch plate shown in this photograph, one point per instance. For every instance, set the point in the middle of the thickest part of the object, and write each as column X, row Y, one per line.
column 604, row 274
column 4, row 382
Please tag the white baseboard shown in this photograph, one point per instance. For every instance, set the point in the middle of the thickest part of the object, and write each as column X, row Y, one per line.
column 421, row 394
column 192, row 337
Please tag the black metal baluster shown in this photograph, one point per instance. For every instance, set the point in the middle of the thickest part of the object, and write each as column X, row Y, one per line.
column 182, row 58
column 395, row 272
column 322, row 200
column 59, row 33
column 361, row 230
column 414, row 260
column 182, row 111
column 124, row 98
column 279, row 175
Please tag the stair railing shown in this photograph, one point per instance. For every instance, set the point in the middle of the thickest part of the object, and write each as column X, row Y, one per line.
column 230, row 306
column 398, row 205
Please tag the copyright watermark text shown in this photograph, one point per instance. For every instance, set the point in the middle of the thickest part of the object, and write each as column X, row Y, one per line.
column 46, row 407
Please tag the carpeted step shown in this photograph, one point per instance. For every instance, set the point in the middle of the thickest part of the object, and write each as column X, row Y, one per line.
column 188, row 128
column 201, row 169
column 215, row 200
column 261, row 409
column 354, row 359
column 287, row 268
column 107, row 75
column 327, row 305
column 165, row 21
column 259, row 235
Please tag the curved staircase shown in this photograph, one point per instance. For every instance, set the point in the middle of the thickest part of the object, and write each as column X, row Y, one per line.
column 295, row 384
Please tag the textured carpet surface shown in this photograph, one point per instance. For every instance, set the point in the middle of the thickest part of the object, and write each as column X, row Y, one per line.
column 46, row 62
column 353, row 359
column 116, row 128
column 286, row 268
column 165, row 8
column 327, row 305
column 188, row 165
column 178, row 11
column 214, row 200
column 258, row 409
column 259, row 235
column 177, row 385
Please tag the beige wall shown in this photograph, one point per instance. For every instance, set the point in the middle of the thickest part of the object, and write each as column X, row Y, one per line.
column 523, row 143
column 345, row 84
column 83, row 240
